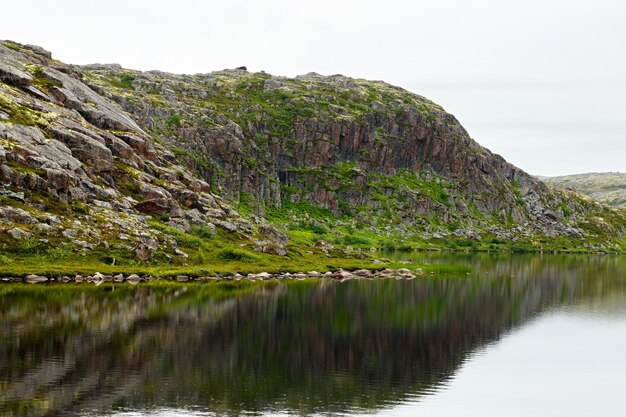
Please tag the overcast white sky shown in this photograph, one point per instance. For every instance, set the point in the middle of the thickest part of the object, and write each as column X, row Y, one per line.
column 541, row 82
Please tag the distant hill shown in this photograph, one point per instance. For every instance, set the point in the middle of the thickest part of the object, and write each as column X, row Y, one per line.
column 607, row 187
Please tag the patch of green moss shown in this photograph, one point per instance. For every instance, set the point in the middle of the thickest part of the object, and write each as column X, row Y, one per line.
column 404, row 180
column 26, row 169
column 246, row 203
column 22, row 115
column 124, row 81
column 129, row 186
column 174, row 120
column 40, row 80
column 12, row 46
column 127, row 80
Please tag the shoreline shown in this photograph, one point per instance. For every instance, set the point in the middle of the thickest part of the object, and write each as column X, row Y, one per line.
column 134, row 279
column 333, row 268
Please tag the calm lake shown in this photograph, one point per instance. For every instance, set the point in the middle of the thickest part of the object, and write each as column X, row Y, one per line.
column 521, row 335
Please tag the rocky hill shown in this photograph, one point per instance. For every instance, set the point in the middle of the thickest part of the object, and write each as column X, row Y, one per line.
column 101, row 159
column 607, row 187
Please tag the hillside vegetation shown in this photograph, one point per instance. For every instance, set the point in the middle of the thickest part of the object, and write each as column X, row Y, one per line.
column 104, row 168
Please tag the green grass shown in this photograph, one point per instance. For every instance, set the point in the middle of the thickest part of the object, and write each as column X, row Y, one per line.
column 236, row 255
column 124, row 81
column 5, row 260
column 311, row 226
column 223, row 254
column 352, row 240
column 24, row 265
column 202, row 232
column 127, row 80
column 184, row 239
column 174, row 120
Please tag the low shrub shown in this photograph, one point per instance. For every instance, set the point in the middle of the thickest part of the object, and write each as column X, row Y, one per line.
column 236, row 255
column 203, row 232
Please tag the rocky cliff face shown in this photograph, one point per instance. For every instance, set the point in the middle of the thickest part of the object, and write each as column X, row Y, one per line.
column 74, row 167
column 195, row 150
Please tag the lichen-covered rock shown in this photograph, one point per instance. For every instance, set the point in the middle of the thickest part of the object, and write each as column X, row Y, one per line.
column 17, row 215
column 94, row 108
column 19, row 234
column 159, row 206
column 86, row 149
column 180, row 224
column 70, row 233
column 275, row 242
column 35, row 279
column 228, row 226
column 267, row 246
column 143, row 253
column 272, row 233
column 29, row 148
column 199, row 186
column 195, row 217
column 134, row 279
column 14, row 76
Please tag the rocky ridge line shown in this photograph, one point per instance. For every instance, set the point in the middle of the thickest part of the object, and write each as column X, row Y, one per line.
column 393, row 160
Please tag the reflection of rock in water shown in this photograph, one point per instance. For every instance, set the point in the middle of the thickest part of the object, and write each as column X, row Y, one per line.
column 307, row 347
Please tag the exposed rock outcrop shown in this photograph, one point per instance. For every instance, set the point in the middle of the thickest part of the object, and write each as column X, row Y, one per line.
column 127, row 158
column 76, row 168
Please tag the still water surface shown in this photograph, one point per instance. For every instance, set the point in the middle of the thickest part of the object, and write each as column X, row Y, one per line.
column 519, row 336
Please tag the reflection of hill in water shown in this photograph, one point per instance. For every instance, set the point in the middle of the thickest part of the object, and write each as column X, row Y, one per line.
column 305, row 346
